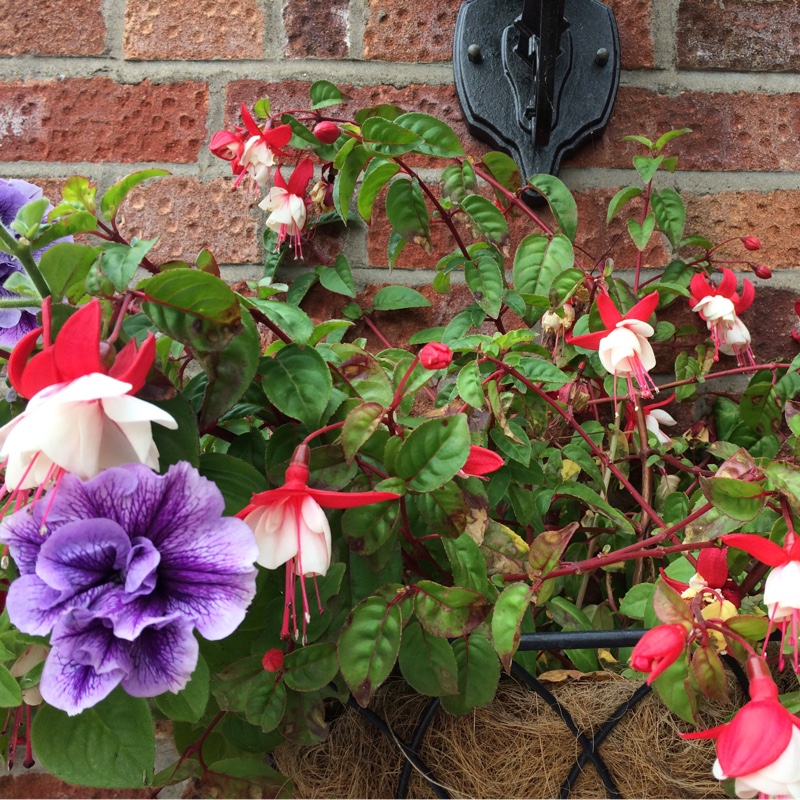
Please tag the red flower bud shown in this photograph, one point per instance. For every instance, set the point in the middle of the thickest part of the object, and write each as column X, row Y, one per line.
column 327, row 132
column 751, row 243
column 658, row 648
column 762, row 271
column 273, row 660
column 435, row 355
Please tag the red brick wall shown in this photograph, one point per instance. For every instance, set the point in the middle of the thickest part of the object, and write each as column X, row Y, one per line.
column 102, row 87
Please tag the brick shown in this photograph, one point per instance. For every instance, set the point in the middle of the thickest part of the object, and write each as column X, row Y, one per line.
column 317, row 30
column 739, row 35
column 174, row 29
column 635, row 35
column 50, row 27
column 189, row 215
column 96, row 119
column 736, row 131
column 397, row 30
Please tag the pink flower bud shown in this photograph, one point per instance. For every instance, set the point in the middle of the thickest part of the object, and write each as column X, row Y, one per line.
column 328, row 132
column 273, row 660
column 435, row 355
column 762, row 271
column 751, row 242
column 658, row 648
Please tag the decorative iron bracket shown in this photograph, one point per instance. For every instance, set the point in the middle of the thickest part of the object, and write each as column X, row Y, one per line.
column 536, row 84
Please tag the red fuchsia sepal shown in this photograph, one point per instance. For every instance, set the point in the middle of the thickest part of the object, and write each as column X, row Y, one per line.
column 75, row 353
column 763, row 549
column 480, row 461
column 700, row 288
column 658, row 649
column 287, row 205
column 229, row 146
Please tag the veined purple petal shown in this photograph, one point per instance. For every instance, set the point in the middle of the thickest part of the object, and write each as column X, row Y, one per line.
column 73, row 687
column 140, row 573
column 87, row 639
column 82, row 554
column 22, row 533
column 163, row 659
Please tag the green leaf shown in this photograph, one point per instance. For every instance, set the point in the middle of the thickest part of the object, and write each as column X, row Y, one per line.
column 368, row 646
column 10, row 692
column 64, row 266
column 427, row 662
column 620, row 199
column 394, row 247
column 561, row 202
column 448, row 611
column 760, row 408
column 438, row 138
column 262, row 107
column 110, row 745
column 245, row 777
column 112, row 199
column 228, row 372
column 433, row 453
column 538, row 262
column 192, row 307
column 310, row 668
column 119, row 262
column 675, row 689
column 359, row 426
column 487, row 218
column 385, row 138
column 338, row 278
column 393, row 298
column 384, row 110
column 641, row 233
column 298, row 383
column 80, row 192
column 504, row 170
column 291, row 320
column 548, row 547
column 468, row 384
column 509, row 609
column 79, row 222
column 640, row 139
column 367, row 528
column 458, row 180
column 236, row 479
column 593, row 500
column 638, row 599
column 467, row 562
column 407, row 213
column 647, row 167
column 737, row 499
column 375, row 179
column 670, row 213
column 189, row 704
column 346, row 179
column 478, row 675
column 786, row 478
column 485, row 280
column 666, row 138
column 325, row 93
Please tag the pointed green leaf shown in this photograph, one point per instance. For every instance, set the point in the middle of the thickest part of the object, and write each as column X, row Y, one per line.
column 620, row 199
column 375, row 178
column 449, row 611
column 487, row 218
column 438, row 138
column 407, row 213
column 560, row 200
column 113, row 198
column 433, row 453
column 478, row 675
column 394, row 298
column 509, row 609
column 485, row 280
column 359, row 426
column 324, row 94
column 427, row 662
column 538, row 262
column 385, row 138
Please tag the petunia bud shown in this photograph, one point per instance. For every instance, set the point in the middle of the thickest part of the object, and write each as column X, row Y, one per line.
column 751, row 242
column 762, row 271
column 273, row 660
column 327, row 132
column 658, row 648
column 435, row 355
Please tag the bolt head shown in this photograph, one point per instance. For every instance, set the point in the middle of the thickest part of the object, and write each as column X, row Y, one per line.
column 474, row 54
column 601, row 57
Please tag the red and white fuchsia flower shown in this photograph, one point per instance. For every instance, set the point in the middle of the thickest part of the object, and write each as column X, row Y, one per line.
column 782, row 587
column 623, row 347
column 229, row 147
column 291, row 528
column 760, row 746
column 719, row 307
column 258, row 153
column 81, row 416
column 287, row 206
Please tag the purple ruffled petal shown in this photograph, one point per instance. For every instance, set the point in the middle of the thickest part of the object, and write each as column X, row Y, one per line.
column 163, row 659
column 33, row 606
column 22, row 533
column 140, row 572
column 87, row 639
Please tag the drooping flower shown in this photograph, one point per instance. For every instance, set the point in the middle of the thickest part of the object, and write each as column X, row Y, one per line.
column 719, row 307
column 81, row 416
column 480, row 461
column 659, row 648
column 291, row 528
column 435, row 355
column 654, row 417
column 760, row 746
column 622, row 346
column 229, row 146
column 258, row 154
column 129, row 565
column 16, row 322
column 287, row 206
column 782, row 587
column 712, row 573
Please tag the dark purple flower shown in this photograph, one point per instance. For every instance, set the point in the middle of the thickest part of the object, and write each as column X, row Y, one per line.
column 16, row 322
column 128, row 565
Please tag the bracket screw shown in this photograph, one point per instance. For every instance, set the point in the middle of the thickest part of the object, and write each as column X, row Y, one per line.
column 601, row 57
column 474, row 54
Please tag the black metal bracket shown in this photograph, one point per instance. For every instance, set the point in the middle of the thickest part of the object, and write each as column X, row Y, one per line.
column 539, row 83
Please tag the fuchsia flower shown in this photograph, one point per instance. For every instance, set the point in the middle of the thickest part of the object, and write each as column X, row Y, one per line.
column 760, row 746
column 291, row 528
column 719, row 307
column 659, row 648
column 623, row 346
column 654, row 417
column 782, row 587
column 81, row 416
column 257, row 156
column 287, row 205
column 712, row 573
column 229, row 147
column 480, row 462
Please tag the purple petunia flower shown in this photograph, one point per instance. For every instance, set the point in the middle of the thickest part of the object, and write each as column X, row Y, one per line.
column 130, row 563
column 16, row 322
